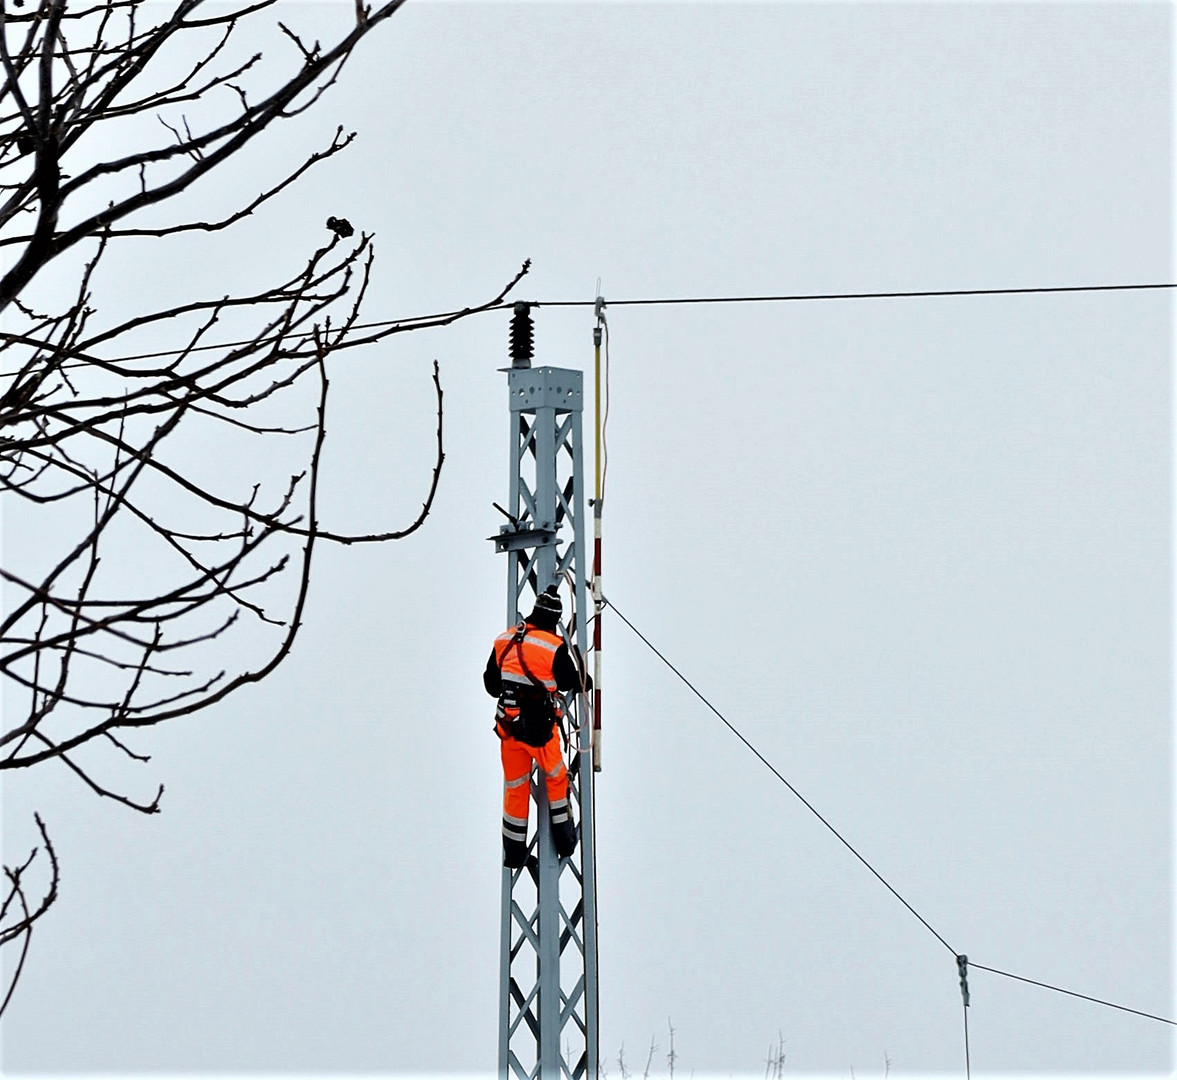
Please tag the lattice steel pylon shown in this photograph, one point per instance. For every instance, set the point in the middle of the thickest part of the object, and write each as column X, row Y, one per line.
column 548, row 958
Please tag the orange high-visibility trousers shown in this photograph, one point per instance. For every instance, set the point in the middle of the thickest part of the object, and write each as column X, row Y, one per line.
column 517, row 759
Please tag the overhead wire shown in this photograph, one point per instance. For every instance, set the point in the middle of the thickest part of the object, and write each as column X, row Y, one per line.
column 427, row 321
column 878, row 295
column 773, row 769
column 1072, row 993
column 861, row 858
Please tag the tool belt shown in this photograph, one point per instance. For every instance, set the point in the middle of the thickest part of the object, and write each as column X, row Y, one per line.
column 527, row 714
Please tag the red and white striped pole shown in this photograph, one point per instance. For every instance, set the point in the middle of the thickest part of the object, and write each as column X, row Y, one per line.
column 598, row 600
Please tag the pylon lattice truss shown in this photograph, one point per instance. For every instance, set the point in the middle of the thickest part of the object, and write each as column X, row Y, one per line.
column 548, row 948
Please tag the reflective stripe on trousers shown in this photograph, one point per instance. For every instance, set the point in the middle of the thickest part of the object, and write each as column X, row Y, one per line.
column 517, row 758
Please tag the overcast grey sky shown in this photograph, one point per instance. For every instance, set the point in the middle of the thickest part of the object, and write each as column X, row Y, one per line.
column 917, row 550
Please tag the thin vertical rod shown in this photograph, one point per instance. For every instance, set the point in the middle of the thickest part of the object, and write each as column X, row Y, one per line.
column 968, row 1071
column 597, row 409
column 588, row 748
column 598, row 603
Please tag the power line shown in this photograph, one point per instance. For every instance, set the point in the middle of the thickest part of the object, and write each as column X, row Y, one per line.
column 959, row 958
column 1072, row 993
column 385, row 327
column 772, row 768
column 896, row 295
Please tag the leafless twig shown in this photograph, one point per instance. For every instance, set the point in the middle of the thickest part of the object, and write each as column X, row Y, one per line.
column 161, row 581
column 17, row 925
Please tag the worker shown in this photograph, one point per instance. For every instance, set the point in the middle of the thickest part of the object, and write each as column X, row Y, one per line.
column 528, row 665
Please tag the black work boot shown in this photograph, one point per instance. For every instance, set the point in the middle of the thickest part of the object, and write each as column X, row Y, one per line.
column 564, row 837
column 514, row 853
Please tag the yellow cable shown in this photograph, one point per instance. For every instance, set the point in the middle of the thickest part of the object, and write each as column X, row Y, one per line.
column 597, row 373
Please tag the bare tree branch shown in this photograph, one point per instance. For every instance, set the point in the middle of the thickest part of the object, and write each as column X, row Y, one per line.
column 22, row 928
column 161, row 581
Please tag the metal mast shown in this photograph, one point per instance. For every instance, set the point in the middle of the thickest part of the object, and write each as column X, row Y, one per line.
column 548, row 958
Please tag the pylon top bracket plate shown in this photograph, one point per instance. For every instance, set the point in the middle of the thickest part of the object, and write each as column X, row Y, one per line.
column 561, row 389
column 510, row 539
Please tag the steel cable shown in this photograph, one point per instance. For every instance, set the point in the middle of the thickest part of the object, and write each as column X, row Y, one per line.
column 850, row 847
column 772, row 768
column 1073, row 993
column 389, row 326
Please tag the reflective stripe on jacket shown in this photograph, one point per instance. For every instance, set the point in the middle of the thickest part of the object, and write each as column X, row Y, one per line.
column 526, row 660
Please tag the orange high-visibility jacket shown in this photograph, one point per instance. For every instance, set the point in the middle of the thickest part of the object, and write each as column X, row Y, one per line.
column 527, row 659
column 546, row 657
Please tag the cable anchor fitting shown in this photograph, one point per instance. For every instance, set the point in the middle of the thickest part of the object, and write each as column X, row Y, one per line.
column 962, row 966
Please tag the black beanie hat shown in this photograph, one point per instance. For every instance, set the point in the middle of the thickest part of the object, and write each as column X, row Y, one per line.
column 548, row 604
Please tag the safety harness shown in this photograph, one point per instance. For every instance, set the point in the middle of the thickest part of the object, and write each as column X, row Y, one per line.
column 535, row 713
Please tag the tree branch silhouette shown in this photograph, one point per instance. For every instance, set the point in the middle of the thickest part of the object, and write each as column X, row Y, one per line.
column 174, row 499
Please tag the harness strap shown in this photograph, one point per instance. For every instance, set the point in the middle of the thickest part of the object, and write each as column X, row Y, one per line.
column 548, row 696
column 517, row 641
